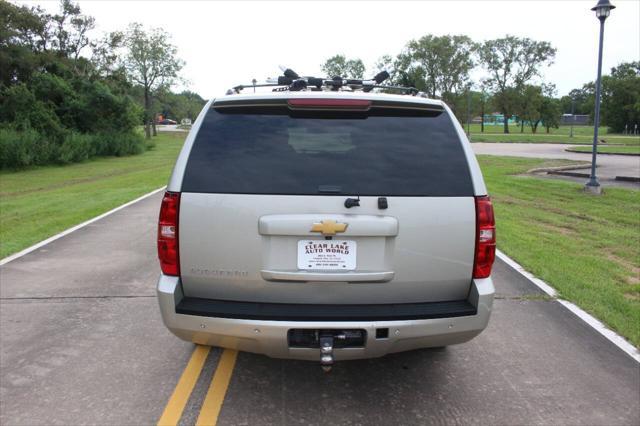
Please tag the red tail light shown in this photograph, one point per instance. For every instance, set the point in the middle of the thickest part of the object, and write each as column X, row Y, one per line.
column 168, row 234
column 485, row 238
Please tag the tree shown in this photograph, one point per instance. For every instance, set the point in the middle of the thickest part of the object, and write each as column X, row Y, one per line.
column 438, row 65
column 151, row 62
column 550, row 113
column 23, row 38
column 529, row 107
column 621, row 97
column 106, row 61
column 21, row 25
column 391, row 65
column 180, row 105
column 485, row 101
column 71, row 28
column 580, row 101
column 54, row 107
column 549, row 110
column 511, row 63
column 340, row 66
column 468, row 104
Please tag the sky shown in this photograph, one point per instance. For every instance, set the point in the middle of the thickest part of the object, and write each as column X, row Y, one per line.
column 229, row 43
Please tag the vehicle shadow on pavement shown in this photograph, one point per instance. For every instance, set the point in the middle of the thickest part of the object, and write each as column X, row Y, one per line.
column 387, row 390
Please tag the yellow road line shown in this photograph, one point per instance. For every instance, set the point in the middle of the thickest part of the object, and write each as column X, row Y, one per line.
column 175, row 405
column 218, row 388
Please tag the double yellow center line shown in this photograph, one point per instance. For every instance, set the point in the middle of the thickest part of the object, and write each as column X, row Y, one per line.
column 215, row 395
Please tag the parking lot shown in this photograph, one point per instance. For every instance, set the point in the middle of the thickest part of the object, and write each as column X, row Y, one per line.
column 83, row 343
column 609, row 166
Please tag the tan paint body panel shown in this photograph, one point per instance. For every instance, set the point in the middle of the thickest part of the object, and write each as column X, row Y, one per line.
column 244, row 247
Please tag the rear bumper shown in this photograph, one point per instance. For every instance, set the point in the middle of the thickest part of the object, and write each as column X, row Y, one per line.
column 267, row 336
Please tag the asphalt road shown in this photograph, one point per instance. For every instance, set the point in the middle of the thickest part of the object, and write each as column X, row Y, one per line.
column 82, row 342
column 609, row 166
column 169, row 128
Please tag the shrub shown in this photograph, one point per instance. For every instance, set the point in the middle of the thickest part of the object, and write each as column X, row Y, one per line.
column 21, row 110
column 28, row 147
column 19, row 149
column 75, row 148
column 96, row 109
column 118, row 144
column 150, row 144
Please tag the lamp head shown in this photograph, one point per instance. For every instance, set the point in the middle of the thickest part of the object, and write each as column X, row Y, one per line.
column 603, row 9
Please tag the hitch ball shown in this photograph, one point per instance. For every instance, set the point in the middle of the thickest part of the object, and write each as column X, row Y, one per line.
column 326, row 352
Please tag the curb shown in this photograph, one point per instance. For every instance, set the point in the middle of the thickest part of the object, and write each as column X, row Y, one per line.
column 603, row 153
column 628, row 178
column 593, row 322
column 559, row 168
column 567, row 171
column 632, row 179
column 571, row 174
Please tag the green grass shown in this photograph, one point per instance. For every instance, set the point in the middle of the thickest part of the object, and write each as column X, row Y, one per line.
column 582, row 135
column 554, row 139
column 38, row 203
column 560, row 131
column 629, row 149
column 587, row 247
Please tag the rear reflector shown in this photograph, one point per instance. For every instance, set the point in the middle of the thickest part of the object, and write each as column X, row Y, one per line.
column 348, row 104
column 168, row 234
column 485, row 238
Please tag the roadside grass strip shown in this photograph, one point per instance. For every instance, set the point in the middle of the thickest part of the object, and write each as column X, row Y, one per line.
column 594, row 323
column 587, row 247
column 178, row 400
column 619, row 150
column 44, row 201
column 75, row 228
column 582, row 135
column 551, row 138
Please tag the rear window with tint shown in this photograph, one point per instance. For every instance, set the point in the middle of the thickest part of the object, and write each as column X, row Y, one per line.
column 277, row 151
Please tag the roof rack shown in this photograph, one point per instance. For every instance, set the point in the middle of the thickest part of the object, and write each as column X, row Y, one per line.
column 292, row 82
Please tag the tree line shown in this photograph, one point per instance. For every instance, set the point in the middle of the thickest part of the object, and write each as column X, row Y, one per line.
column 441, row 66
column 66, row 96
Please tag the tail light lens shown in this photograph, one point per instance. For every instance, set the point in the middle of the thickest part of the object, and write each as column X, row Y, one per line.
column 168, row 234
column 485, row 238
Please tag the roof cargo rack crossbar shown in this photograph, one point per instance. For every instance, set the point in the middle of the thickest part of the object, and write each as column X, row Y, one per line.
column 290, row 81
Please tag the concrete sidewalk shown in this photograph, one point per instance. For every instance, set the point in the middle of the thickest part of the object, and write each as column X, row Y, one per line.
column 609, row 166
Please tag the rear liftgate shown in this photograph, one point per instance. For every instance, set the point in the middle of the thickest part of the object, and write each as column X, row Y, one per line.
column 283, row 228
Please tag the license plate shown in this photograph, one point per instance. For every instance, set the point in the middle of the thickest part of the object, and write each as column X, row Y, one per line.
column 336, row 255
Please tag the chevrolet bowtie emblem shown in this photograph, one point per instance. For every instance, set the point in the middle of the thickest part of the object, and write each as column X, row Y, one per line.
column 329, row 227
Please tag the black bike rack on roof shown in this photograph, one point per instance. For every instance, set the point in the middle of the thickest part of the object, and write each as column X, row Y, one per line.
column 291, row 81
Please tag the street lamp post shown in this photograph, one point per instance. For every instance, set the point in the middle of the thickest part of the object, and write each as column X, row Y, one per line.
column 483, row 99
column 469, row 111
column 602, row 9
column 573, row 115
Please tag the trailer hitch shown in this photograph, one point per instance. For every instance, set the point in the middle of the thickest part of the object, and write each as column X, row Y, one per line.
column 326, row 352
column 326, row 340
